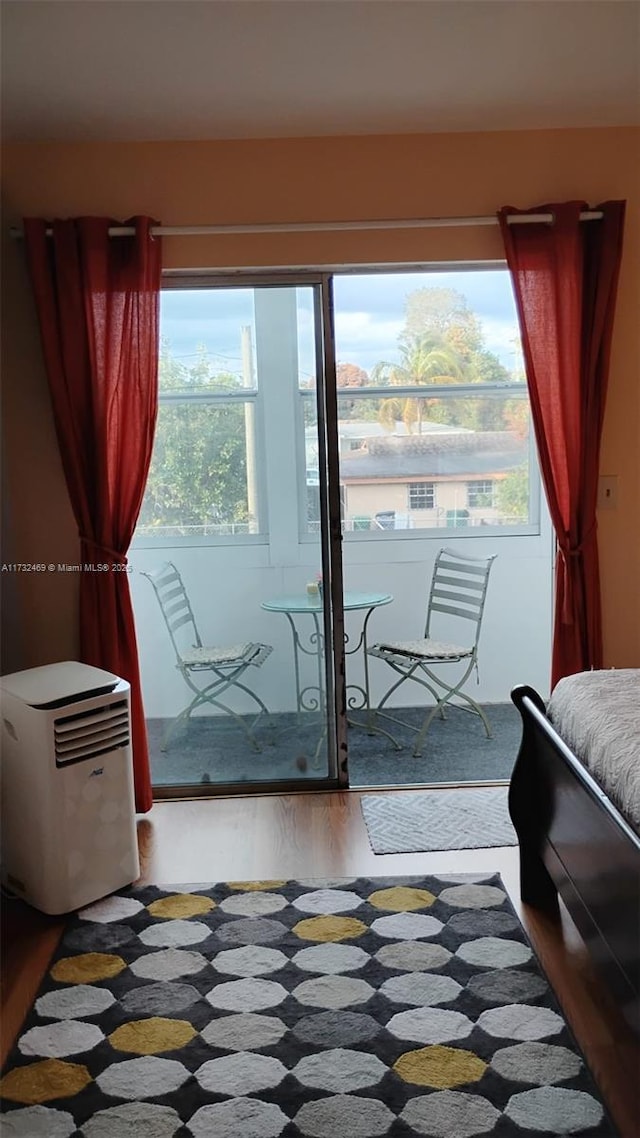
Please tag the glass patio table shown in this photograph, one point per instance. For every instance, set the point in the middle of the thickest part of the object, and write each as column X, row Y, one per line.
column 309, row 697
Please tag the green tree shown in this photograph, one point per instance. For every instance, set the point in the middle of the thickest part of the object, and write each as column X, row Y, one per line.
column 348, row 377
column 424, row 360
column 445, row 314
column 198, row 474
column 512, row 494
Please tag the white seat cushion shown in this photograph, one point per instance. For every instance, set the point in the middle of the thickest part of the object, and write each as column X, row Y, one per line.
column 424, row 649
column 217, row 656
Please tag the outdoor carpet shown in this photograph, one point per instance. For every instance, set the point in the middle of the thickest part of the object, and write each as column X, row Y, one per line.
column 467, row 819
column 356, row 1007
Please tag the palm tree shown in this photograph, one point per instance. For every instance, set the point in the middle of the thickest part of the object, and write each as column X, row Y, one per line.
column 425, row 361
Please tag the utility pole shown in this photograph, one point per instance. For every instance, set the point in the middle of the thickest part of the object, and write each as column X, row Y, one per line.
column 250, row 428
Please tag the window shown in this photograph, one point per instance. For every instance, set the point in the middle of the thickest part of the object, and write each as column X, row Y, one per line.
column 203, row 480
column 480, row 493
column 433, row 411
column 431, row 382
column 422, row 496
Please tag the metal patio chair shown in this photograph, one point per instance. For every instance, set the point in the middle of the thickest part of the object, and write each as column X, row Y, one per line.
column 226, row 665
column 459, row 590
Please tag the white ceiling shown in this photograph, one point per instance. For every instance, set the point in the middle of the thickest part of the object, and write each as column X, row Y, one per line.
column 199, row 69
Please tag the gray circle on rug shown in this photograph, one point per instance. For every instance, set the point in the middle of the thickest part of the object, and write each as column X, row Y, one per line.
column 126, row 1119
column 336, row 1028
column 450, row 1114
column 159, row 999
column 247, row 1031
column 251, row 930
column 536, row 1063
column 484, row 923
column 344, row 1114
column 507, row 986
column 239, row 1116
column 98, row 938
column 413, row 956
column 38, row 1122
column 421, row 989
column 554, row 1109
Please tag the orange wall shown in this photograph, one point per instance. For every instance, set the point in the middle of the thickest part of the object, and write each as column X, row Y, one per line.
column 400, row 176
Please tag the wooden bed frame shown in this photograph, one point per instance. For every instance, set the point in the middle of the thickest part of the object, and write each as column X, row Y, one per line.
column 574, row 842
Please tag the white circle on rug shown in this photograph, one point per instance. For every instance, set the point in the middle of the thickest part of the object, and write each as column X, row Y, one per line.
column 142, row 1119
column 75, row 1003
column 340, row 1070
column 463, row 878
column 190, row 887
column 333, row 992
column 473, row 896
column 174, row 934
column 406, row 926
column 250, row 995
column 56, row 1040
column 344, row 1114
column 240, row 1074
column 421, row 989
column 331, row 959
column 494, row 952
column 251, row 960
column 253, row 904
column 520, row 1021
column 111, row 909
column 539, row 1064
column 37, row 1122
column 147, row 1077
column 327, row 901
column 241, row 1116
column 430, row 1025
column 168, row 964
column 450, row 1114
column 554, row 1109
column 244, row 1032
column 325, row 882
column 413, row 956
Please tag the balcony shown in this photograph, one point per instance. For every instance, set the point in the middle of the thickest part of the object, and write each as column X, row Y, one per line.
column 227, row 585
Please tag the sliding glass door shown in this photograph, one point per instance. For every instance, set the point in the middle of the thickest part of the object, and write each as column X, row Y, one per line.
column 232, row 590
column 296, row 431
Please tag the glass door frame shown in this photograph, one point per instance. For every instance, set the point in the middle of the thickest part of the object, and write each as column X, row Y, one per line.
column 330, row 529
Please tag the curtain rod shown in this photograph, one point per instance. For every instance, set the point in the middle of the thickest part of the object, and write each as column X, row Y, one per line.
column 333, row 226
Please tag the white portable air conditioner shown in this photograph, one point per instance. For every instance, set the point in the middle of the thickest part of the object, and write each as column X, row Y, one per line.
column 68, row 815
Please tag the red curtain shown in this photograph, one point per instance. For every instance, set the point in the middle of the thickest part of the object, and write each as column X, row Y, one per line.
column 565, row 277
column 98, row 304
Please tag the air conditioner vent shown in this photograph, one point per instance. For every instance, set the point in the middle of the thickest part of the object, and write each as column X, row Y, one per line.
column 91, row 733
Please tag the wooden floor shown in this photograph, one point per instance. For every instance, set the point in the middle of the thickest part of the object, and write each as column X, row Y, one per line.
column 308, row 835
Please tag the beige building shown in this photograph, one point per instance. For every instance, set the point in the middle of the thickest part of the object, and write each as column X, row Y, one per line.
column 444, row 478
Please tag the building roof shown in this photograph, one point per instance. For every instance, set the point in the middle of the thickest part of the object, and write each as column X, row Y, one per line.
column 415, row 457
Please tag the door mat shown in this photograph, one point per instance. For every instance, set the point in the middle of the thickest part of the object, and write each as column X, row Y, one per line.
column 414, row 822
column 363, row 1006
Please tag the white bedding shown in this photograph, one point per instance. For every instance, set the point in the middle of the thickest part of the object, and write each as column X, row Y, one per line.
column 598, row 716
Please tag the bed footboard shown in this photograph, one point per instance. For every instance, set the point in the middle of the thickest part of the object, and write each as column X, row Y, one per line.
column 574, row 842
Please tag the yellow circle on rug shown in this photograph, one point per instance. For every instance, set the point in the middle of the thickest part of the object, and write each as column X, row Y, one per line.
column 152, row 1036
column 41, row 1082
column 87, row 967
column 401, row 899
column 439, row 1067
column 181, row 905
column 329, row 929
column 250, row 886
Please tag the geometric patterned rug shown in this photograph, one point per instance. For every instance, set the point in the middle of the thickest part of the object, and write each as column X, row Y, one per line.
column 473, row 818
column 308, row 1009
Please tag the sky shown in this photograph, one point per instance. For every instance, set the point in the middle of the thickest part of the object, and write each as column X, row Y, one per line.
column 369, row 316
